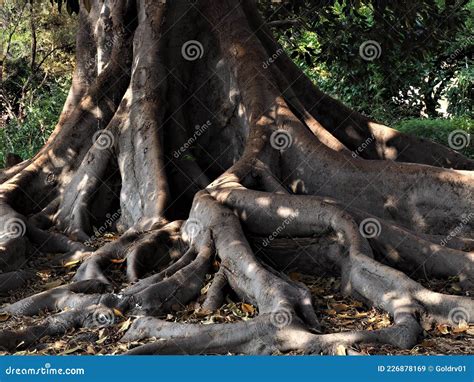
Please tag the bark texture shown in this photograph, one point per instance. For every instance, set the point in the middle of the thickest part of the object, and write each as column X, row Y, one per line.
column 179, row 135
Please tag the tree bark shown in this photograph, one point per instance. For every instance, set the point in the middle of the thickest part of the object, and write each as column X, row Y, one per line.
column 178, row 136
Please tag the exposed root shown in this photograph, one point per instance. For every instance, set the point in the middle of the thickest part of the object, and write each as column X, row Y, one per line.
column 217, row 291
column 11, row 281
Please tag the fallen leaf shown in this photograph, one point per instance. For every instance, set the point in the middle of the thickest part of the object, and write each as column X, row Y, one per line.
column 340, row 307
column 90, row 349
column 4, row 317
column 72, row 350
column 117, row 312
column 118, row 261
column 201, row 313
column 101, row 340
column 71, row 263
column 456, row 287
column 462, row 327
column 125, row 325
column 44, row 273
column 443, row 329
column 247, row 308
column 59, row 344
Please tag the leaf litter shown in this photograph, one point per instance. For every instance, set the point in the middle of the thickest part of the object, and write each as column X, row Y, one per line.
column 336, row 312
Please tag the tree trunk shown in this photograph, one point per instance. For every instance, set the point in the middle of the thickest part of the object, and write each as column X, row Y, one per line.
column 178, row 110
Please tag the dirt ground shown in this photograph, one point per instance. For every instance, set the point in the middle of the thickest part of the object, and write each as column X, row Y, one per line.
column 336, row 312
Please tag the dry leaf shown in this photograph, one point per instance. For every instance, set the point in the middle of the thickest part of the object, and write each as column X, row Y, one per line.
column 101, row 340
column 456, row 287
column 59, row 344
column 340, row 307
column 247, row 308
column 118, row 261
column 117, row 312
column 462, row 327
column 200, row 313
column 72, row 350
column 4, row 317
column 443, row 329
column 90, row 349
column 125, row 325
column 71, row 263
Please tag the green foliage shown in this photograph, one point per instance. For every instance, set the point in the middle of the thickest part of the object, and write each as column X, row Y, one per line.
column 35, row 78
column 423, row 53
column 26, row 137
column 438, row 130
column 461, row 95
